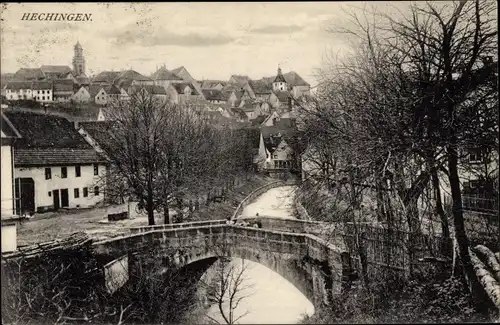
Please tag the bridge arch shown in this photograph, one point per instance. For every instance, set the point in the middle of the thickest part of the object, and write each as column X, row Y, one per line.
column 313, row 266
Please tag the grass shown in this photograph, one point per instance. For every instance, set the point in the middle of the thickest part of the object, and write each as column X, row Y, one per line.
column 54, row 225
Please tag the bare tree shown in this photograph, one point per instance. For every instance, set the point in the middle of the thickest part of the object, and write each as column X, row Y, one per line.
column 228, row 287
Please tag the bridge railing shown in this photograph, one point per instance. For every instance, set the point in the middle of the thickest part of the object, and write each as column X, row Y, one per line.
column 141, row 229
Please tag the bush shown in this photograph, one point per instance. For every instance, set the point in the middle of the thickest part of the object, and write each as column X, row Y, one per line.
column 421, row 300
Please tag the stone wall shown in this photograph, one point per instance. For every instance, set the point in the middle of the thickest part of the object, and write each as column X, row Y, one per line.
column 259, row 191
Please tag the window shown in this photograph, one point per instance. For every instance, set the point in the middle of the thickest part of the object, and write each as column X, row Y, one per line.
column 64, row 172
column 76, row 191
column 275, row 156
column 96, row 169
column 476, row 156
column 50, row 193
column 78, row 172
column 48, row 173
column 96, row 191
column 85, row 192
column 43, row 97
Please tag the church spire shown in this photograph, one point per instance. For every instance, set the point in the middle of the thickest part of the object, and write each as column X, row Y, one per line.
column 78, row 60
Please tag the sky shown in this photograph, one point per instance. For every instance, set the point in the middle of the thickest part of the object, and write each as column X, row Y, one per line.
column 211, row 40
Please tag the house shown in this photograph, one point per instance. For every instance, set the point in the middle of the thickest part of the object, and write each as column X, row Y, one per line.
column 272, row 119
column 82, row 95
column 261, row 89
column 63, row 90
column 103, row 94
column 183, row 92
column 52, row 72
column 251, row 109
column 212, row 84
column 275, row 146
column 53, row 164
column 239, row 114
column 234, row 99
column 42, row 91
column 163, row 77
column 130, row 77
column 8, row 220
column 156, row 91
column 186, row 76
column 9, row 135
column 281, row 100
column 291, row 82
column 106, row 77
column 19, row 90
column 29, row 74
column 238, row 80
column 214, row 96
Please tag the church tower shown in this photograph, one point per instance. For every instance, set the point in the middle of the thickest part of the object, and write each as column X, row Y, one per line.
column 78, row 60
column 279, row 83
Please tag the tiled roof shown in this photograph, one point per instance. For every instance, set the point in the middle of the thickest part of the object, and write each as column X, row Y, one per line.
column 208, row 84
column 179, row 87
column 83, row 80
column 133, row 75
column 60, row 69
column 63, row 85
column 292, row 78
column 282, row 96
column 95, row 88
column 56, row 156
column 284, row 127
column 18, row 85
column 238, row 112
column 106, row 76
column 100, row 132
column 29, row 74
column 164, row 74
column 8, row 128
column 261, row 86
column 41, row 85
column 259, row 119
column 241, row 80
column 112, row 90
column 249, row 107
column 151, row 89
column 177, row 70
column 213, row 94
column 45, row 131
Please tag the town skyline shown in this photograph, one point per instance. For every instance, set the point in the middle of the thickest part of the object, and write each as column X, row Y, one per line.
column 252, row 42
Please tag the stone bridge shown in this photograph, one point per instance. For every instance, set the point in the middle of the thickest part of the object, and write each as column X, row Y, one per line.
column 317, row 268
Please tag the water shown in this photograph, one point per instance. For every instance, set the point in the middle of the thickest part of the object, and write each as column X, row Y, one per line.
column 271, row 299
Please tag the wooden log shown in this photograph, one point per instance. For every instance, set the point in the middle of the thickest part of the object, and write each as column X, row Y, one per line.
column 489, row 259
column 490, row 285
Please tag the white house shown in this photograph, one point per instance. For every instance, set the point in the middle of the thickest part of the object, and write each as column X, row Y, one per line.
column 8, row 220
column 9, row 135
column 54, row 166
column 19, row 90
column 82, row 95
column 42, row 91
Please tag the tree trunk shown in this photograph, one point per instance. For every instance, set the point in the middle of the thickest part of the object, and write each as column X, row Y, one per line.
column 475, row 287
column 166, row 215
column 150, row 205
column 445, row 229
